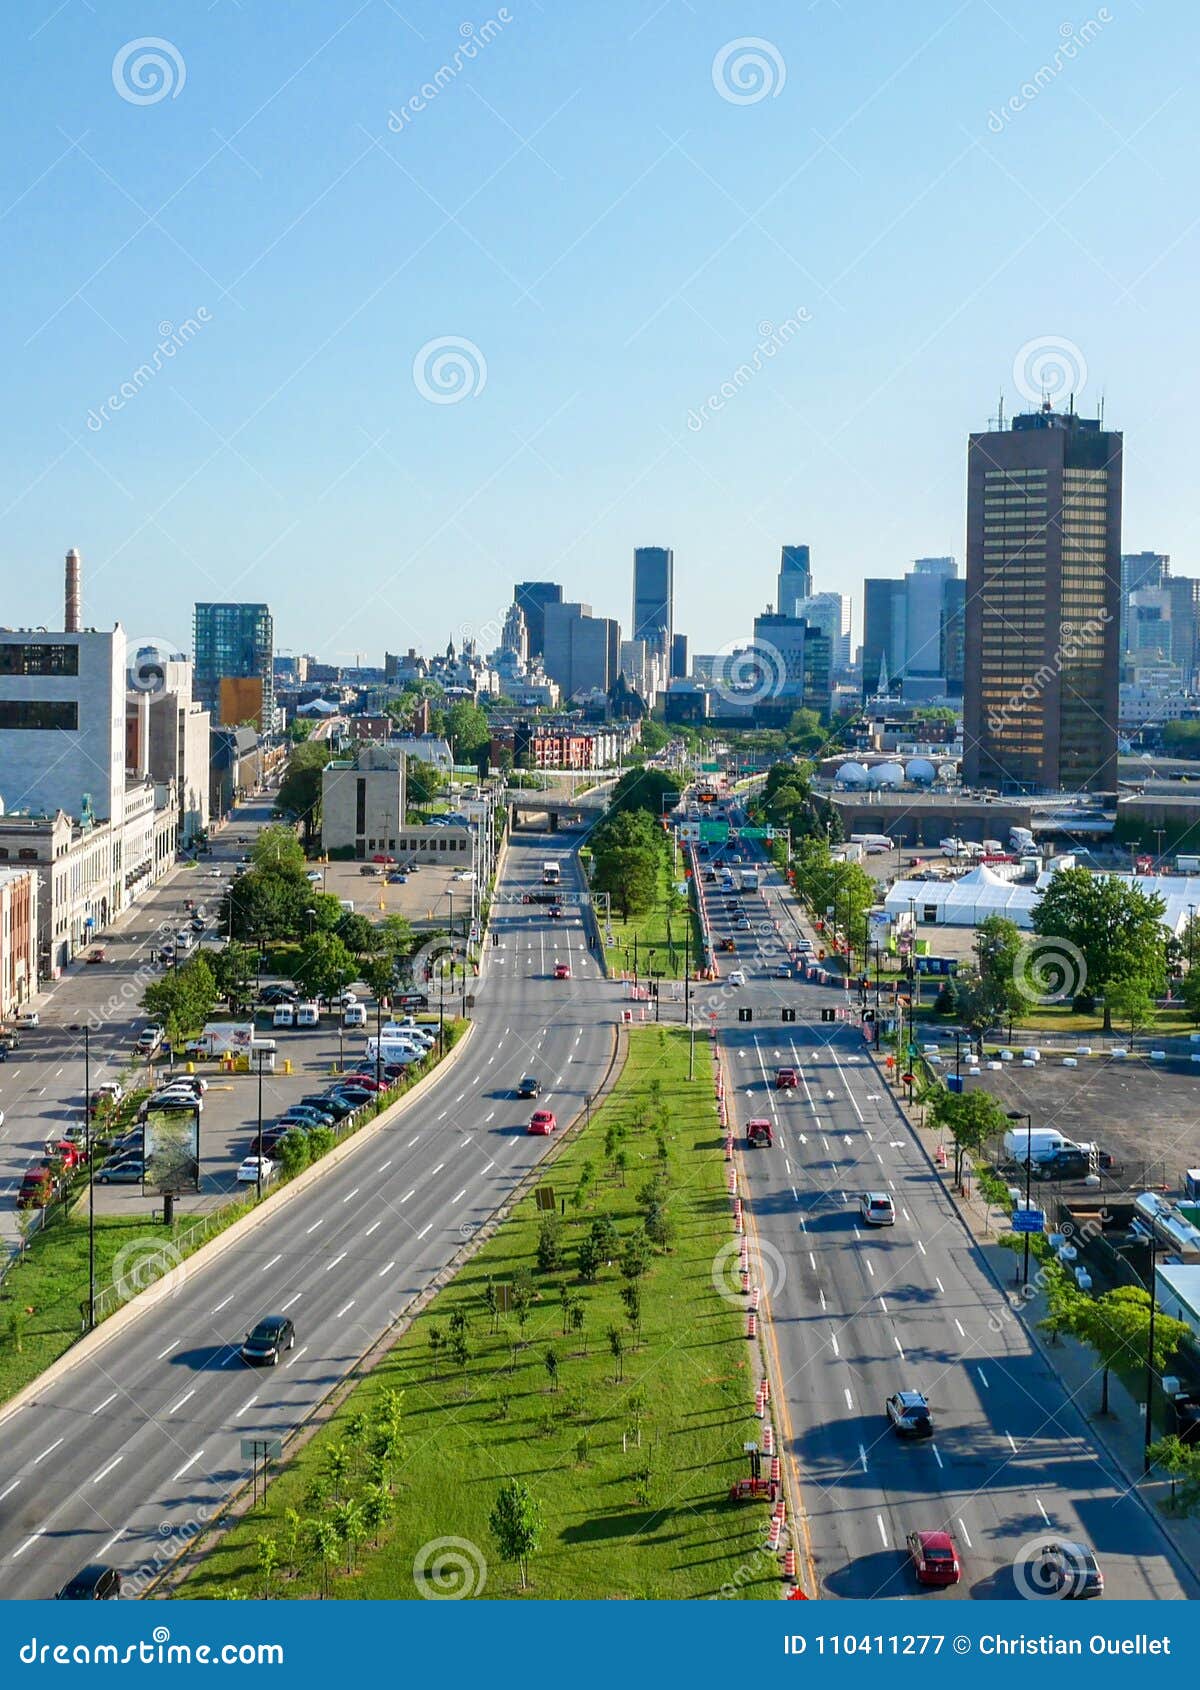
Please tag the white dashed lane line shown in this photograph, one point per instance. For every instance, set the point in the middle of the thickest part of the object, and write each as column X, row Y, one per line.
column 112, row 1397
column 186, row 1397
column 104, row 1472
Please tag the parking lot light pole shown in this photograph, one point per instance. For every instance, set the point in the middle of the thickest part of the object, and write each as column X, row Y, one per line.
column 1016, row 1115
column 259, row 1139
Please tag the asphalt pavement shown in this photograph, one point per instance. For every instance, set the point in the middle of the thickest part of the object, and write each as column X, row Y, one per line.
column 124, row 1457
column 859, row 1312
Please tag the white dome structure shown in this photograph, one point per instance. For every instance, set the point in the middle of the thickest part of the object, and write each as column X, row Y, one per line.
column 920, row 771
column 890, row 775
column 852, row 774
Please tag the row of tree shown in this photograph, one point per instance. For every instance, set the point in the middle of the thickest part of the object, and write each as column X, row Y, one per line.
column 629, row 847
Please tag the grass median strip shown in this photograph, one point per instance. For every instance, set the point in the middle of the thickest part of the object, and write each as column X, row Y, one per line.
column 590, row 1362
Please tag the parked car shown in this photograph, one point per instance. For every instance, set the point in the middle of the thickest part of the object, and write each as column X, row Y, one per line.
column 908, row 1414
column 317, row 1113
column 149, row 1039
column 97, row 954
column 354, row 1095
column 367, row 1081
column 254, row 1168
column 934, row 1557
column 38, row 1187
column 338, row 1106
column 27, row 1018
column 130, row 1170
column 93, row 1583
column 266, row 1342
column 542, row 1123
column 277, row 992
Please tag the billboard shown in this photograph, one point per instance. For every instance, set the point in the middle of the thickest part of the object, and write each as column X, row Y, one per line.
column 171, row 1151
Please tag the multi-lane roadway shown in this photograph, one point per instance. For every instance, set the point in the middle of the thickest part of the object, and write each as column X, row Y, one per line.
column 859, row 1312
column 136, row 1444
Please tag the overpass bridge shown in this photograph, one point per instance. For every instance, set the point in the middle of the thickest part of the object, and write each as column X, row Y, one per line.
column 561, row 808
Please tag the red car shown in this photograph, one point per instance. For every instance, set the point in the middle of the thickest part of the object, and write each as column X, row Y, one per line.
column 542, row 1123
column 97, row 955
column 562, row 970
column 934, row 1558
column 786, row 1079
column 759, row 1132
column 367, row 1081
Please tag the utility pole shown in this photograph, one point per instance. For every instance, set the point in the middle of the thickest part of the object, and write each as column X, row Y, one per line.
column 1149, row 1435
column 258, row 1140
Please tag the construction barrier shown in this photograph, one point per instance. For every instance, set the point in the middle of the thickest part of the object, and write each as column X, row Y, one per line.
column 745, row 1281
column 752, row 1325
column 768, row 1439
column 754, row 1296
column 789, row 1565
column 776, row 1470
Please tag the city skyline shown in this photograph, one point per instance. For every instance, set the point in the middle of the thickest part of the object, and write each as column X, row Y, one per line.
column 267, row 362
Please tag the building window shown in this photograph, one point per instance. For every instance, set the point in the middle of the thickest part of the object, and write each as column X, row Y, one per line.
column 360, row 800
column 20, row 659
column 38, row 713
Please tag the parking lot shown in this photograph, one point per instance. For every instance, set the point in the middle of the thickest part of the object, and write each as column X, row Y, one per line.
column 428, row 894
column 1146, row 1115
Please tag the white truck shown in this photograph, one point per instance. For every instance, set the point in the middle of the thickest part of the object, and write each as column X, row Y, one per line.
column 394, row 1049
column 1021, row 840
column 222, row 1038
column 1037, row 1145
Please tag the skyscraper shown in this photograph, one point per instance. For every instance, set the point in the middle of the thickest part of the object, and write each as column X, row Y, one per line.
column 582, row 651
column 795, row 579
column 830, row 612
column 654, row 597
column 791, row 658
column 514, row 637
column 234, row 642
column 679, row 657
column 533, row 597
column 1043, row 605
column 910, row 629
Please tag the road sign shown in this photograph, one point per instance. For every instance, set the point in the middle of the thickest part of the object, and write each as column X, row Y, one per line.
column 749, row 1449
column 828, row 1015
column 1029, row 1220
column 745, row 1015
column 787, row 1014
column 545, row 1199
column 262, row 1449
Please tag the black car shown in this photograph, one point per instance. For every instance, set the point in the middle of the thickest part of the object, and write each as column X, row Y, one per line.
column 529, row 1086
column 278, row 993
column 411, row 1000
column 320, row 1103
column 93, row 1583
column 355, row 1096
column 908, row 1412
column 337, row 1106
column 1070, row 1570
column 266, row 1342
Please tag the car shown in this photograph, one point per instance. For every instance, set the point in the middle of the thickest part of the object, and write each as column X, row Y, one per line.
column 562, row 970
column 542, row 1122
column 38, row 1187
column 266, row 1342
column 728, row 946
column 556, row 912
column 397, row 880
column 355, row 1096
column 129, row 1170
column 321, row 1103
column 184, row 1082
column 109, row 1093
column 934, row 1557
column 877, row 1208
column 804, row 946
column 908, row 1414
column 742, row 924
column 529, row 1086
column 367, row 1081
column 759, row 1134
column 278, row 993
column 173, row 1098
column 149, row 1039
column 10, row 1039
column 97, row 954
column 197, row 924
column 313, row 876
column 1068, row 1569
column 783, row 971
column 786, row 1079
column 27, row 1018
column 367, row 869
column 317, row 1113
column 254, row 1168
column 93, row 1583
column 411, row 1000
column 737, row 977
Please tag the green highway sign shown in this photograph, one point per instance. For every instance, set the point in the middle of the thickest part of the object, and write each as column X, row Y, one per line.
column 714, row 831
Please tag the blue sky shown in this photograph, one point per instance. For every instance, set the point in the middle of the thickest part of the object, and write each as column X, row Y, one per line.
column 607, row 238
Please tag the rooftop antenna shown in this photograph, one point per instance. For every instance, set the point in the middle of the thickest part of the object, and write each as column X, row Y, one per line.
column 1102, row 410
column 1000, row 414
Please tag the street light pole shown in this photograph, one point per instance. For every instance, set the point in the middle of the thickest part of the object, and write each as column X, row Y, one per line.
column 258, row 1140
column 1149, row 1433
column 1017, row 1115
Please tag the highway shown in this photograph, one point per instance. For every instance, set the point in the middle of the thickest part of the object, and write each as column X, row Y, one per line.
column 859, row 1312
column 122, row 1458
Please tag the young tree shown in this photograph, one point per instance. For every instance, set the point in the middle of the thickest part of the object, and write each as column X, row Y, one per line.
column 323, row 1543
column 268, row 1564
column 1117, row 1326
column 277, row 847
column 631, row 1296
column 293, row 1152
column 1132, row 1002
column 972, row 1118
column 1115, row 927
column 616, row 1345
column 550, row 1245
column 336, row 1468
column 517, row 1525
column 377, row 1505
column 550, row 1363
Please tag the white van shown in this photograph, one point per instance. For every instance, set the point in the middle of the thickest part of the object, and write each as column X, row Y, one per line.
column 354, row 1015
column 262, row 1055
column 1036, row 1146
column 284, row 1016
column 308, row 1015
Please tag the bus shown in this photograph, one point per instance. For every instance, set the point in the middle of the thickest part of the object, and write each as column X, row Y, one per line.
column 551, row 874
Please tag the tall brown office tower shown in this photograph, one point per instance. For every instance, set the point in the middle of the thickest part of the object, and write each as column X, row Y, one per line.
column 1043, row 605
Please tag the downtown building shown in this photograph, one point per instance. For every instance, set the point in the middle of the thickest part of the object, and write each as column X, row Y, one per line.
column 654, row 599
column 234, row 658
column 913, row 632
column 1043, row 605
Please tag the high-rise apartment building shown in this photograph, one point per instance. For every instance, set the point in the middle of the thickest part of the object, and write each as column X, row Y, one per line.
column 795, row 579
column 533, row 598
column 1043, row 605
column 234, row 642
column 679, row 657
column 654, row 597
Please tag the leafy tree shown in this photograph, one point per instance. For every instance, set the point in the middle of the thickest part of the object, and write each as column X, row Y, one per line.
column 1115, row 926
column 1181, row 1463
column 336, row 1467
column 606, row 1237
column 644, row 789
column 422, row 782
column 323, row 1542
column 631, row 1296
column 183, row 999
column 277, row 847
column 356, row 933
column 588, row 1260
column 233, row 972
column 293, row 1152
column 628, row 850
column 550, row 1245
column 616, row 1345
column 658, row 1226
column 635, row 1258
column 299, row 795
column 268, row 1563
column 517, row 1525
column 550, row 1363
column 377, row 1506
column 325, row 967
column 1132, row 1002
column 321, row 1141
column 971, row 1118
column 394, row 936
column 349, row 1528
column 804, row 731
column 1117, row 1326
column 468, row 730
column 1190, row 992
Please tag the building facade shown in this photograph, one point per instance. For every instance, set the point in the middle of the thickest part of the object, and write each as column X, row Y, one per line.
column 362, row 802
column 654, row 598
column 62, row 723
column 795, row 579
column 532, row 597
column 1043, row 605
column 234, row 642
column 18, row 938
column 582, row 651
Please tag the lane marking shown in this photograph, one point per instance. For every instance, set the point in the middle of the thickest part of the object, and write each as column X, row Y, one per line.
column 187, row 1397
column 939, row 1285
column 107, row 1470
column 897, row 1343
column 1041, row 1510
column 8, row 1489
column 882, row 1530
column 384, row 1165
column 316, row 1224
column 381, row 1273
column 49, row 1451
column 271, row 1263
column 225, row 1304
column 436, row 1170
column 186, row 1465
column 248, row 1404
column 1012, row 1442
column 460, row 1194
column 983, row 1380
column 374, row 1227
column 329, row 1266
column 922, row 1248
column 965, row 1532
column 848, row 1397
column 961, row 1332
column 344, row 1308
column 285, row 1306
column 297, row 1356
column 937, row 1455
column 834, row 1342
column 174, row 1344
column 110, row 1398
column 862, row 1456
column 28, row 1541
column 350, row 1194
column 408, row 1194
column 870, row 1269
column 423, row 1231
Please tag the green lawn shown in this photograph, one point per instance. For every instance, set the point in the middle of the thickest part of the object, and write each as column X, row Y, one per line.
column 43, row 1296
column 630, row 1462
column 671, row 918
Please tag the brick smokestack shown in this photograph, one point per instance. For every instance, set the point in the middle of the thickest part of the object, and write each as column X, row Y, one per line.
column 73, row 612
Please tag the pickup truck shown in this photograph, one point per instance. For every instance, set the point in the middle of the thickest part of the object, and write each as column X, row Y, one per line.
column 758, row 1133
